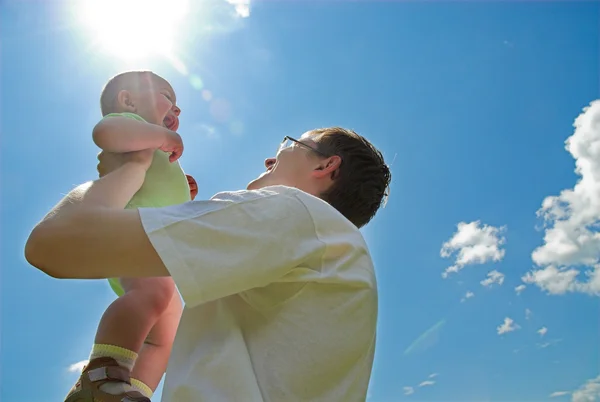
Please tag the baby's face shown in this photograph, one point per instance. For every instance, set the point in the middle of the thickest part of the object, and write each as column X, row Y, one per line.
column 157, row 104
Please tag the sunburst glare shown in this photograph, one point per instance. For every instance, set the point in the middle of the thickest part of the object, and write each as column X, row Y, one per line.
column 134, row 29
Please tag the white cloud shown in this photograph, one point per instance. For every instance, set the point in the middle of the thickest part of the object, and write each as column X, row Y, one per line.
column 542, row 331
column 468, row 295
column 493, row 277
column 572, row 219
column 508, row 326
column 553, row 280
column 588, row 392
column 519, row 289
column 528, row 314
column 433, row 375
column 559, row 393
column 473, row 243
column 408, row 390
column 214, row 17
column 77, row 367
column 426, row 383
column 242, row 7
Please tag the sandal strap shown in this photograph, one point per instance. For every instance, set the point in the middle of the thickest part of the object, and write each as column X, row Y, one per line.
column 79, row 395
column 109, row 373
column 101, row 371
column 86, row 395
column 134, row 396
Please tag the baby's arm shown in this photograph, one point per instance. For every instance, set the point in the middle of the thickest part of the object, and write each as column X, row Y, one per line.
column 123, row 134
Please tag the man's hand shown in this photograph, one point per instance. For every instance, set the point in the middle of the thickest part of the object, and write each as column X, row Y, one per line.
column 109, row 161
column 172, row 144
column 193, row 186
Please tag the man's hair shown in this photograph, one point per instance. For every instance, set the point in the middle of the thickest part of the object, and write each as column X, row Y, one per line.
column 362, row 180
column 129, row 80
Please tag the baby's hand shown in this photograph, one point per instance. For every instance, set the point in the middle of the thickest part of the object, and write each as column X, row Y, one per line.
column 172, row 144
column 193, row 186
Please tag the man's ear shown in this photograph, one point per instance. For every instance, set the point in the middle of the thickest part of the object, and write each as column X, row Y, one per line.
column 327, row 167
column 125, row 101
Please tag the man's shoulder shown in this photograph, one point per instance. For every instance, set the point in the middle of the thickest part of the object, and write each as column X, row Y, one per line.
column 323, row 213
column 265, row 192
column 278, row 197
column 330, row 226
column 284, row 196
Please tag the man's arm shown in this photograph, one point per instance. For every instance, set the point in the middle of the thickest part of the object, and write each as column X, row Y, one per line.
column 123, row 134
column 88, row 234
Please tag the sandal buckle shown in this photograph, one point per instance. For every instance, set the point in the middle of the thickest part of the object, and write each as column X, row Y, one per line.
column 98, row 374
column 109, row 373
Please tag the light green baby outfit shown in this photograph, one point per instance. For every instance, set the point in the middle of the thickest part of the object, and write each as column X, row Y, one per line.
column 165, row 185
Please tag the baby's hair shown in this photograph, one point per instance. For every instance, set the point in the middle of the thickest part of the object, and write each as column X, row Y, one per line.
column 129, row 80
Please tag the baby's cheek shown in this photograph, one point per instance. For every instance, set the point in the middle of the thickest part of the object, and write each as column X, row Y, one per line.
column 167, row 106
column 163, row 105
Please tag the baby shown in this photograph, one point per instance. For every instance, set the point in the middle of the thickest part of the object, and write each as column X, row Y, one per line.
column 140, row 112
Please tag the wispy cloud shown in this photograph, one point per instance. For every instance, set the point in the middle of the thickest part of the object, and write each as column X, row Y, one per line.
column 493, row 277
column 205, row 131
column 572, row 219
column 547, row 344
column 426, row 383
column 588, row 392
column 542, row 331
column 242, row 7
column 473, row 243
column 77, row 367
column 528, row 314
column 468, row 295
column 559, row 393
column 519, row 289
column 507, row 326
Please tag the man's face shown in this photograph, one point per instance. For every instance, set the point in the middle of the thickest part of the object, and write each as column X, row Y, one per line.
column 292, row 166
column 156, row 102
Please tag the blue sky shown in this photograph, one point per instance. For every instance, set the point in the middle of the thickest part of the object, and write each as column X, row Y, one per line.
column 472, row 101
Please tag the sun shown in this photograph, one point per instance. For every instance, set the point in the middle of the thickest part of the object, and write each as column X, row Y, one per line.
column 134, row 29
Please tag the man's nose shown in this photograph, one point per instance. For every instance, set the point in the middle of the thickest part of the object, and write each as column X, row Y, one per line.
column 269, row 162
column 176, row 110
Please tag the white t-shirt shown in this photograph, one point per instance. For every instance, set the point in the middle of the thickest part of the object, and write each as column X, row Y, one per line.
column 280, row 294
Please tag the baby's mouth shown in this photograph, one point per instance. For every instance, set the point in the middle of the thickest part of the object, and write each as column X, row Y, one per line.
column 171, row 122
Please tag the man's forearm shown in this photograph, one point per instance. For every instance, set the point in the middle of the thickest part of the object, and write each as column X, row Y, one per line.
column 114, row 191
column 89, row 234
column 122, row 134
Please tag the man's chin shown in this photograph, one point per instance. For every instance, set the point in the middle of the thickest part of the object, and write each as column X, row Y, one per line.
column 254, row 185
column 261, row 181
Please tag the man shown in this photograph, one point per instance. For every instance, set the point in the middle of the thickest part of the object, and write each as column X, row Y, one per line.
column 279, row 286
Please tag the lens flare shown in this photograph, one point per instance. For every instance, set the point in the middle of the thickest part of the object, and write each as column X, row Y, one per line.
column 134, row 29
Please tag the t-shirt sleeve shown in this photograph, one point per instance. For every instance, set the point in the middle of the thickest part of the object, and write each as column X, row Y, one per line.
column 231, row 244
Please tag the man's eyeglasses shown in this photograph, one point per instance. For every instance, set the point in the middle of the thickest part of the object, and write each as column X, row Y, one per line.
column 290, row 142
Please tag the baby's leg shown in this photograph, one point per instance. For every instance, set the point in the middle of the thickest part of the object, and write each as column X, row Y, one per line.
column 154, row 356
column 121, row 333
column 129, row 319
